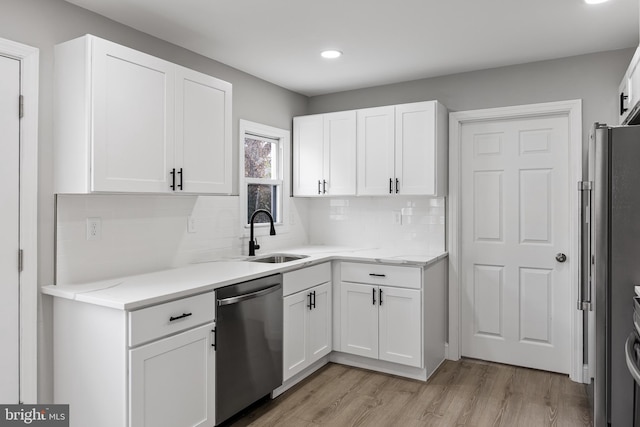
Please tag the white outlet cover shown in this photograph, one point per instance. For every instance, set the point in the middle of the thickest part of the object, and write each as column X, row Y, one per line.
column 191, row 224
column 94, row 228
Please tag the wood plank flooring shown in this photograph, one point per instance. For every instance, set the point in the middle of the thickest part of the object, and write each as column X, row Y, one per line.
column 462, row 393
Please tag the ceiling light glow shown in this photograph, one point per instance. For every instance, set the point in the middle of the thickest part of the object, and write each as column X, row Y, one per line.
column 331, row 54
column 595, row 1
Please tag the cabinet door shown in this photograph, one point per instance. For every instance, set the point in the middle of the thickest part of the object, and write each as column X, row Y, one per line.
column 340, row 153
column 172, row 381
column 295, row 319
column 375, row 144
column 399, row 324
column 133, row 120
column 415, row 150
column 308, row 155
column 359, row 319
column 319, row 325
column 203, row 133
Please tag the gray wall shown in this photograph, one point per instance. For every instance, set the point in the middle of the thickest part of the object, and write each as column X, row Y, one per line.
column 44, row 23
column 594, row 78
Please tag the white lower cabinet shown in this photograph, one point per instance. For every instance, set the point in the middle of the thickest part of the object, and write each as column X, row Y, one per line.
column 307, row 318
column 153, row 366
column 382, row 322
column 172, row 381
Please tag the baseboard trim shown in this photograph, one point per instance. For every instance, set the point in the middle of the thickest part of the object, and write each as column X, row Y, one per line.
column 379, row 366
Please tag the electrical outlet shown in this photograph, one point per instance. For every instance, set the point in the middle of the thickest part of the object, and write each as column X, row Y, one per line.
column 94, row 228
column 397, row 217
column 191, row 224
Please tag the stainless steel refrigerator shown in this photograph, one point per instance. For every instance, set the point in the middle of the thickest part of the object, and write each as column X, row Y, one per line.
column 611, row 266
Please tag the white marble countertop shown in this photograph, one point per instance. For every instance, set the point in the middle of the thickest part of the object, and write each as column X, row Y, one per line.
column 133, row 292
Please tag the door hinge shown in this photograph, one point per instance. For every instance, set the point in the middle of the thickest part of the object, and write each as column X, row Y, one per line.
column 20, row 106
column 20, row 262
column 584, row 185
column 584, row 305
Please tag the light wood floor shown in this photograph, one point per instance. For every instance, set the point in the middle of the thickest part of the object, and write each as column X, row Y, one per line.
column 463, row 393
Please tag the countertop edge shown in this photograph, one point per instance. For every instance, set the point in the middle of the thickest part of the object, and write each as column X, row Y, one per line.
column 92, row 296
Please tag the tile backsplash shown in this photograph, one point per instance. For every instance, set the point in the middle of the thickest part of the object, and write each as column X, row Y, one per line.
column 143, row 233
column 410, row 224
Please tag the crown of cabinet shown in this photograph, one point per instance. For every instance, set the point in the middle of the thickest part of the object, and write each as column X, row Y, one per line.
column 391, row 150
column 128, row 122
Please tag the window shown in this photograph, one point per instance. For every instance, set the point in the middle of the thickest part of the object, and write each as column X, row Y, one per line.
column 263, row 168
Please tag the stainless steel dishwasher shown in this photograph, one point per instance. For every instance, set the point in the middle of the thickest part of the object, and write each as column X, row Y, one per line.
column 248, row 343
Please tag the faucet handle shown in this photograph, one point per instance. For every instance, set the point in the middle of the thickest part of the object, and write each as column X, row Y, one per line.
column 256, row 245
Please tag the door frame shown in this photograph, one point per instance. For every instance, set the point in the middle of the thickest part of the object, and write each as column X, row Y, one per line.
column 29, row 58
column 573, row 110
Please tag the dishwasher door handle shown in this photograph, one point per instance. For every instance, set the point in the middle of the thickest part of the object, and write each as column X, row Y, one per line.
column 252, row 295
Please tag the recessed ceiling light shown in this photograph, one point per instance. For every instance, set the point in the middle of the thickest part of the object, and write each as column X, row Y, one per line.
column 595, row 1
column 331, row 54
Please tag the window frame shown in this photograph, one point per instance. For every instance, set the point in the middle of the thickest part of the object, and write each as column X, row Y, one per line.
column 248, row 128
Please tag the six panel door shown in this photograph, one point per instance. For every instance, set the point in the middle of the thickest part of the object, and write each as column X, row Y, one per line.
column 515, row 220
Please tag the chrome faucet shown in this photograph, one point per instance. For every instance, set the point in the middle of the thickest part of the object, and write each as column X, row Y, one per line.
column 253, row 243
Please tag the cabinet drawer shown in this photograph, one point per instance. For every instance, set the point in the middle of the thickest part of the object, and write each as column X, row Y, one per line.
column 154, row 322
column 305, row 278
column 380, row 274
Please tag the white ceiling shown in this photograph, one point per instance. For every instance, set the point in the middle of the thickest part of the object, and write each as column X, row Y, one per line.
column 384, row 41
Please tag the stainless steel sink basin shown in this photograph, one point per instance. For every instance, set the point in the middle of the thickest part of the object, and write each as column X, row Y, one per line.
column 277, row 258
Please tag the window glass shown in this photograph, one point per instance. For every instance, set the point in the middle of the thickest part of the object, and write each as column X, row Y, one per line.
column 262, row 196
column 260, row 158
column 263, row 179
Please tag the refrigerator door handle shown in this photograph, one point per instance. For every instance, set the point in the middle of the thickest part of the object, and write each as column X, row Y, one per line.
column 630, row 357
column 584, row 187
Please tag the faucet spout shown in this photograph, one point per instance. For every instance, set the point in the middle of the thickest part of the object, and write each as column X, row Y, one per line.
column 253, row 244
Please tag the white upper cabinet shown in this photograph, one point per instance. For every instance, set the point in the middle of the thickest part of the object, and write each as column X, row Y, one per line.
column 324, row 150
column 126, row 121
column 308, row 155
column 203, row 132
column 402, row 149
column 399, row 149
column 339, row 153
column 376, row 140
column 629, row 89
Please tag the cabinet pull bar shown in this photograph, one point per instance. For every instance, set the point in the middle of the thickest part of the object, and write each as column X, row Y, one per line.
column 377, row 275
column 623, row 98
column 380, row 295
column 319, row 187
column 314, row 298
column 215, row 339
column 173, row 179
column 180, row 173
column 397, row 185
column 171, row 319
column 309, row 305
column 373, row 294
column 324, row 186
column 390, row 186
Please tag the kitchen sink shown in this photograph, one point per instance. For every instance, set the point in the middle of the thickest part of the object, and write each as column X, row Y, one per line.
column 277, row 258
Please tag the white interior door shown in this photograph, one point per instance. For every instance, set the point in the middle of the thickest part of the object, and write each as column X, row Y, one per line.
column 9, row 228
column 515, row 220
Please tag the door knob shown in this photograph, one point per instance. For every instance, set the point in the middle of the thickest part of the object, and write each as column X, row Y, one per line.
column 560, row 257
